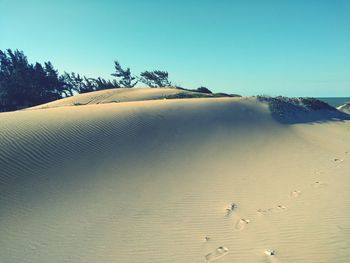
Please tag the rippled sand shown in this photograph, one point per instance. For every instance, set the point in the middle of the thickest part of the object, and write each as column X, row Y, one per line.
column 155, row 181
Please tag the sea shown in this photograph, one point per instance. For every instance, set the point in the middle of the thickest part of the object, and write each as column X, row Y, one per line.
column 336, row 101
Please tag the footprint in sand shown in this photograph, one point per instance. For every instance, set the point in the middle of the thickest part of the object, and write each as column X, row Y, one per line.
column 230, row 209
column 216, row 254
column 295, row 193
column 338, row 161
column 271, row 210
column 241, row 223
column 318, row 172
column 318, row 184
column 281, row 207
column 262, row 211
column 270, row 252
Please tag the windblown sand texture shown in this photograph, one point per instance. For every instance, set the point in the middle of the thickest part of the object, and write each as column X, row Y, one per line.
column 183, row 180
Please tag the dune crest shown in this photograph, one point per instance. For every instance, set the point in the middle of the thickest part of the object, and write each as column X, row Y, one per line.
column 345, row 108
column 122, row 95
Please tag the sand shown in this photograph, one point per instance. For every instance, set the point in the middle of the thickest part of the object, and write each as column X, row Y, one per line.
column 189, row 180
column 118, row 95
column 345, row 108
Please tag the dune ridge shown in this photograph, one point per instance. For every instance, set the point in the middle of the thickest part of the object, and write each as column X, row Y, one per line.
column 151, row 181
column 345, row 108
column 120, row 95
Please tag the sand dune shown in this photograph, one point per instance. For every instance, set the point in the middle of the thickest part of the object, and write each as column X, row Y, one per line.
column 191, row 180
column 345, row 108
column 119, row 95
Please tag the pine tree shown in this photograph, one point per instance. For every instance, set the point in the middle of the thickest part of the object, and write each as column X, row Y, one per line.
column 23, row 84
column 155, row 79
column 125, row 79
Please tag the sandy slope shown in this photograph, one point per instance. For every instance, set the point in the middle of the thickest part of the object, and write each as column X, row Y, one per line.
column 149, row 181
column 115, row 96
column 345, row 108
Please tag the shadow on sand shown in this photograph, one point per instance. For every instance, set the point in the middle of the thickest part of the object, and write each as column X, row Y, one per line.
column 302, row 110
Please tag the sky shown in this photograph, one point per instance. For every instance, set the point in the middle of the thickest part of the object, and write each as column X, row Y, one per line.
column 247, row 47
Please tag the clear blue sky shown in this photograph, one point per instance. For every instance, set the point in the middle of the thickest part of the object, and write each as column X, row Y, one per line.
column 274, row 47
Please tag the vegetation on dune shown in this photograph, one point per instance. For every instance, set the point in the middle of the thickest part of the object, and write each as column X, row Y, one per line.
column 194, row 94
column 279, row 104
column 301, row 110
column 155, row 79
column 23, row 84
column 187, row 96
column 203, row 90
column 287, row 108
column 221, row 94
column 124, row 76
column 81, row 84
column 315, row 104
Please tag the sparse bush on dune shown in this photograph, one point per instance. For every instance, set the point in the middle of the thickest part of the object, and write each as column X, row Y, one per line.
column 203, row 90
column 296, row 110
column 187, row 96
column 277, row 103
column 315, row 104
column 199, row 95
column 221, row 94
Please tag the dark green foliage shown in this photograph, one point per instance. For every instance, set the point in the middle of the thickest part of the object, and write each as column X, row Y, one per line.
column 155, row 79
column 125, row 79
column 203, row 90
column 221, row 94
column 315, row 104
column 207, row 91
column 74, row 82
column 300, row 110
column 187, row 96
column 23, row 84
column 277, row 104
column 102, row 84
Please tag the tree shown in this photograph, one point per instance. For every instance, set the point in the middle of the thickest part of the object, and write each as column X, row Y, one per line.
column 74, row 83
column 125, row 79
column 23, row 84
column 15, row 72
column 53, row 87
column 155, row 79
column 106, row 84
